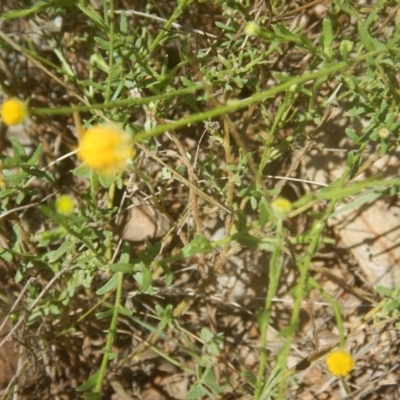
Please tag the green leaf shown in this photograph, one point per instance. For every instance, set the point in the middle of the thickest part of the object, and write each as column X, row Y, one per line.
column 356, row 111
column 352, row 135
column 109, row 286
column 96, row 85
column 228, row 28
column 19, row 151
column 6, row 192
column 89, row 384
column 384, row 291
column 56, row 254
column 18, row 276
column 144, row 278
column 165, row 315
column 253, row 202
column 367, row 197
column 99, row 62
column 112, row 356
column 15, row 179
column 209, row 379
column 369, row 42
column 188, row 83
column 199, row 245
column 206, row 335
column 83, row 171
column 106, row 180
column 263, row 211
column 124, row 311
column 105, row 314
column 125, row 268
column 151, row 252
column 198, row 392
column 93, row 15
column 21, row 196
column 327, row 37
column 169, row 276
column 391, row 306
column 65, row 65
column 36, row 155
column 43, row 175
column 6, row 256
column 123, row 24
column 36, row 8
column 239, row 82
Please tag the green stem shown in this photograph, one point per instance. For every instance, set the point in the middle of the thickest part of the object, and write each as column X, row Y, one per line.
column 303, row 266
column 164, row 31
column 110, row 336
column 346, row 388
column 94, row 184
column 111, row 52
column 216, row 112
column 114, row 104
column 238, row 104
column 275, row 268
column 110, row 202
column 336, row 309
column 280, row 118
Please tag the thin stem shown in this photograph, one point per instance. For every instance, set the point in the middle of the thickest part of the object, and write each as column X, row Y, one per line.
column 275, row 268
column 111, row 335
column 110, row 202
column 111, row 52
column 177, row 13
column 114, row 104
column 346, row 388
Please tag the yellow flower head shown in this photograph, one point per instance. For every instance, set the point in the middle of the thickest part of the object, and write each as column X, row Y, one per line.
column 65, row 205
column 281, row 207
column 339, row 362
column 14, row 111
column 105, row 148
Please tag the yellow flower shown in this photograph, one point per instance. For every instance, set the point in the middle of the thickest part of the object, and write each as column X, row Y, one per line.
column 65, row 204
column 281, row 207
column 14, row 111
column 339, row 362
column 105, row 148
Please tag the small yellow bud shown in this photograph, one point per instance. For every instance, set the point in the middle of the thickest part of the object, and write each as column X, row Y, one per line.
column 384, row 133
column 65, row 205
column 346, row 48
column 281, row 207
column 14, row 111
column 252, row 29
